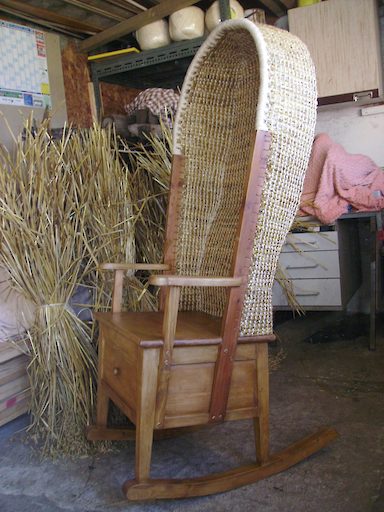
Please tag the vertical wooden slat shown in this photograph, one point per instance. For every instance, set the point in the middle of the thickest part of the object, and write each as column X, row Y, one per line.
column 102, row 397
column 169, row 330
column 146, row 400
column 117, row 297
column 175, row 190
column 241, row 265
column 261, row 422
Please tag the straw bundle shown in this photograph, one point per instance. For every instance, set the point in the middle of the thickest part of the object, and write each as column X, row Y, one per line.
column 65, row 208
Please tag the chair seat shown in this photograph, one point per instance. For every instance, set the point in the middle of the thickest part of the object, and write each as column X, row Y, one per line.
column 145, row 329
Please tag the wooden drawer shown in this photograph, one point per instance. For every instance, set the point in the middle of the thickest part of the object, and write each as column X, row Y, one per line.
column 310, row 293
column 119, row 365
column 310, row 265
column 309, row 242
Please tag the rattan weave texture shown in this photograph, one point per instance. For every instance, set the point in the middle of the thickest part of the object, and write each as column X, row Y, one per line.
column 244, row 77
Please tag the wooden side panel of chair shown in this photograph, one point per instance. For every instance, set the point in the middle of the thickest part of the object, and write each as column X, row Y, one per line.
column 241, row 265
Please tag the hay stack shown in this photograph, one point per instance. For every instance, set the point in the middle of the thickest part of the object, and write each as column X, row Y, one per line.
column 65, row 207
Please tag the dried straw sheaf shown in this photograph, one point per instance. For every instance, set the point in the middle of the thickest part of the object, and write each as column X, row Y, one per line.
column 65, row 207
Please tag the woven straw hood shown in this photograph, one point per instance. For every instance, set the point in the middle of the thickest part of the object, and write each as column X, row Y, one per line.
column 244, row 78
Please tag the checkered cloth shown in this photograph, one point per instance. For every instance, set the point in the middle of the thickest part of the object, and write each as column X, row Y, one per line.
column 161, row 102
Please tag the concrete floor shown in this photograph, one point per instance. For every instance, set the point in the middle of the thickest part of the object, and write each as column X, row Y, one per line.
column 339, row 383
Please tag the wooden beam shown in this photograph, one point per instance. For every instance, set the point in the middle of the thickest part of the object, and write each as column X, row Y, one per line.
column 130, row 25
column 97, row 10
column 274, row 6
column 289, row 4
column 42, row 23
column 45, row 14
column 125, row 6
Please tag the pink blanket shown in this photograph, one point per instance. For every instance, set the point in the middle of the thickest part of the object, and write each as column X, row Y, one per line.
column 336, row 180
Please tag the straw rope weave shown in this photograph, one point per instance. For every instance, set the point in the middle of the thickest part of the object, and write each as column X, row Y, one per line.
column 243, row 77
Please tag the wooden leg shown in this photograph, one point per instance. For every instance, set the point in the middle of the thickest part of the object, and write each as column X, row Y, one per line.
column 102, row 406
column 102, row 397
column 261, row 422
column 145, row 419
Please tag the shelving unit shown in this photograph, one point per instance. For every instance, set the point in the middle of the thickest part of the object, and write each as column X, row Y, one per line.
column 163, row 67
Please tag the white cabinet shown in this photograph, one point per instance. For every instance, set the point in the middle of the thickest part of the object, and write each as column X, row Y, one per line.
column 344, row 41
column 310, row 262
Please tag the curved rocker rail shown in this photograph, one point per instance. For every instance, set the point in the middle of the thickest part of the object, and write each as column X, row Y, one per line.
column 228, row 480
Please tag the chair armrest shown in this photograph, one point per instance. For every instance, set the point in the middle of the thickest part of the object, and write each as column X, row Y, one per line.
column 134, row 266
column 170, row 280
column 120, row 269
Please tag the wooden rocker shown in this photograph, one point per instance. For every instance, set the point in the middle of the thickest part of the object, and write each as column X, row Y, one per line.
column 242, row 139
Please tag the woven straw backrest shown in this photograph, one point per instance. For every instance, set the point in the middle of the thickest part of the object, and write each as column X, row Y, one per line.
column 244, row 78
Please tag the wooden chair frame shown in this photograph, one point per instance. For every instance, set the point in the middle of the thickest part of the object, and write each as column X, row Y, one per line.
column 154, row 361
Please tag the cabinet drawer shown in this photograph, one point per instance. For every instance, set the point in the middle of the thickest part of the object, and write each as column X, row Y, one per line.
column 118, row 365
column 310, row 292
column 310, row 265
column 307, row 242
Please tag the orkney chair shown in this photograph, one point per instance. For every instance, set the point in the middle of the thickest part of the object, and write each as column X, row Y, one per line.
column 242, row 139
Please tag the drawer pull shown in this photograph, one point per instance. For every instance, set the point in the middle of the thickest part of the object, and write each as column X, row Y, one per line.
column 116, row 371
column 313, row 243
column 292, row 267
column 307, row 294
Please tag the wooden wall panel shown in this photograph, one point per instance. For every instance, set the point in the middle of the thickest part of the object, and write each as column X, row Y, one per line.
column 76, row 77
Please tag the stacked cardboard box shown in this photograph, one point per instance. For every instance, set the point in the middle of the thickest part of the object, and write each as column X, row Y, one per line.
column 14, row 384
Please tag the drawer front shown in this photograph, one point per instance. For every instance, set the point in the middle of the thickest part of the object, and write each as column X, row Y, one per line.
column 310, row 265
column 119, row 367
column 308, row 242
column 310, row 292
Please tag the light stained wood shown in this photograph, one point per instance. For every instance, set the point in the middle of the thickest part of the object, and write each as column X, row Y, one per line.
column 175, row 280
column 168, row 331
column 221, row 482
column 146, row 400
column 120, row 365
column 102, row 396
column 343, row 39
column 134, row 266
column 145, row 329
column 243, row 390
column 261, row 422
column 117, row 296
column 189, row 390
column 194, row 355
column 131, row 24
column 188, row 420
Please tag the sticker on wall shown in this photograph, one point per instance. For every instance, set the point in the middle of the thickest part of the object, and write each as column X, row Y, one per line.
column 23, row 66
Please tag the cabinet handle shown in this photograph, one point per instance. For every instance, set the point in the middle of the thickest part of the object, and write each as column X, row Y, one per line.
column 292, row 267
column 313, row 243
column 307, row 294
column 116, row 371
column 361, row 95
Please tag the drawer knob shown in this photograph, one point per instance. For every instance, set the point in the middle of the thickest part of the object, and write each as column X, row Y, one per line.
column 116, row 371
